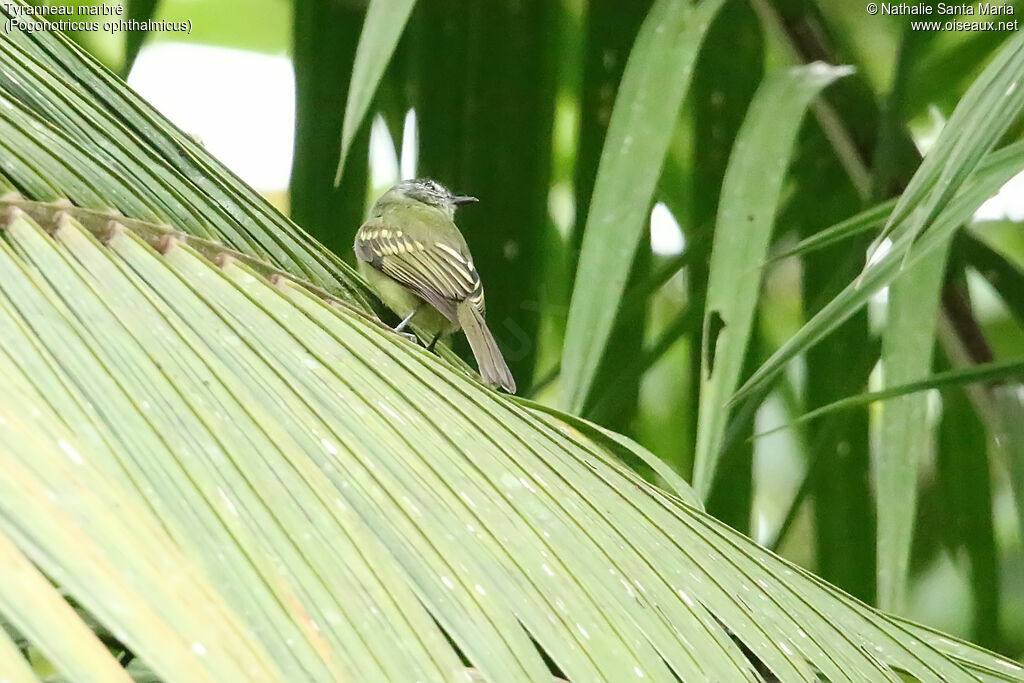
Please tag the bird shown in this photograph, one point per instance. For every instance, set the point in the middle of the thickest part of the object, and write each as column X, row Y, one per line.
column 412, row 254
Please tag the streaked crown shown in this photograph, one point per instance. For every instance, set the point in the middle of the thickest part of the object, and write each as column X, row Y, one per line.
column 429, row 192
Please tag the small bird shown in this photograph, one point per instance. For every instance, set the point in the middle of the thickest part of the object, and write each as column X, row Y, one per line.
column 413, row 255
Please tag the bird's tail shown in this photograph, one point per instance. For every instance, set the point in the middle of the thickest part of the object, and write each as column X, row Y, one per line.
column 493, row 368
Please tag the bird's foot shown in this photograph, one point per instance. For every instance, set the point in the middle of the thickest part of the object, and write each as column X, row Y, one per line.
column 410, row 336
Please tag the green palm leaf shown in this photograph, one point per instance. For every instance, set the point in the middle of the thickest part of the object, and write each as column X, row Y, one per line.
column 746, row 214
column 984, row 113
column 993, row 172
column 635, row 146
column 907, row 343
column 985, row 372
column 216, row 453
column 383, row 26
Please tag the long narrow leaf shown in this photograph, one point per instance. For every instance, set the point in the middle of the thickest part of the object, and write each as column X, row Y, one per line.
column 40, row 612
column 610, row 30
column 655, row 81
column 1007, row 427
column 984, row 113
column 383, row 26
column 907, row 343
column 987, row 372
column 868, row 219
column 992, row 174
column 746, row 213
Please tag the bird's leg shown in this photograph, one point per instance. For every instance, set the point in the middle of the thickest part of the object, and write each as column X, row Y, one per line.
column 401, row 325
column 433, row 342
column 399, row 329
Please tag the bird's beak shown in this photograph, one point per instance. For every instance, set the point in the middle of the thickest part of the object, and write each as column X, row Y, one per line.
column 460, row 199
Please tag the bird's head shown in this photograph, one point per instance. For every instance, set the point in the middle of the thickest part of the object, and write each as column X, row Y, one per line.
column 429, row 192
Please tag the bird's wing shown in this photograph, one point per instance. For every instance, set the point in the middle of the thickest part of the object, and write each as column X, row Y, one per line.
column 440, row 273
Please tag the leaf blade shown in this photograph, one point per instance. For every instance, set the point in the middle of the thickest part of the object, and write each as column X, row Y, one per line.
column 907, row 343
column 635, row 146
column 382, row 28
column 998, row 168
column 985, row 372
column 750, row 194
column 983, row 114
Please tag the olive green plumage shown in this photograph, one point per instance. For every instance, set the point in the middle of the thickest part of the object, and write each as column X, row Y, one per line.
column 413, row 255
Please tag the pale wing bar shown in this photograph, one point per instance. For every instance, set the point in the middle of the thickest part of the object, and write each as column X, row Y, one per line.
column 436, row 272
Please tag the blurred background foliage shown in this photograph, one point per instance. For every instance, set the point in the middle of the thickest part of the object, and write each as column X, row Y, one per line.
column 511, row 100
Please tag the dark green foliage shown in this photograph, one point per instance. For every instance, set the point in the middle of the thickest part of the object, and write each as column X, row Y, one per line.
column 840, row 488
column 966, row 509
column 326, row 34
column 138, row 10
